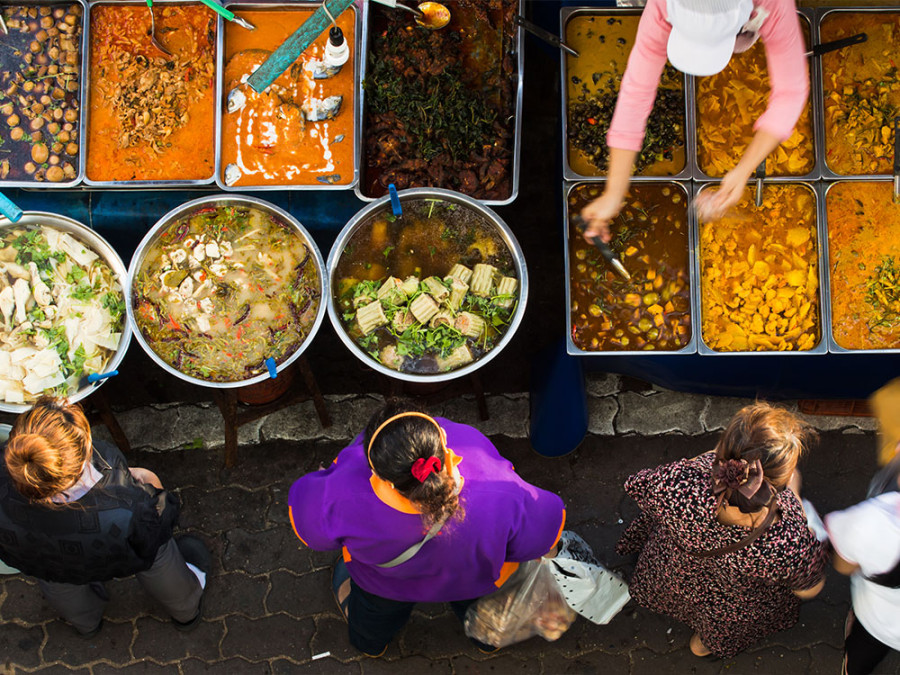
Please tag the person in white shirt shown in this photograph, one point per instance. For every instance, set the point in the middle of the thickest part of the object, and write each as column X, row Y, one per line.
column 866, row 540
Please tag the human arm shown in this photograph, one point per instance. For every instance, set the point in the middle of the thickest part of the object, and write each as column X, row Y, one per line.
column 633, row 105
column 858, row 536
column 145, row 476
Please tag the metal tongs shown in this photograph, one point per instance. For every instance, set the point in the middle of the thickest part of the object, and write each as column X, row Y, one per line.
column 581, row 225
column 544, row 35
column 760, row 177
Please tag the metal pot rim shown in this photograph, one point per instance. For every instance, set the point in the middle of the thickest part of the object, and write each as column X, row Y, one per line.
column 101, row 247
column 446, row 195
column 224, row 199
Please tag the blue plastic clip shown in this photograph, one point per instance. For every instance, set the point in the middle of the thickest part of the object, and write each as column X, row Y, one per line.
column 9, row 209
column 96, row 377
column 270, row 364
column 395, row 201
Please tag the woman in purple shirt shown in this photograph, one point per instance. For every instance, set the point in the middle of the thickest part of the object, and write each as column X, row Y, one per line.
column 418, row 521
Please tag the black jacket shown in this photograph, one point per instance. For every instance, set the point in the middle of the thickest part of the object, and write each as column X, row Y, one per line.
column 114, row 530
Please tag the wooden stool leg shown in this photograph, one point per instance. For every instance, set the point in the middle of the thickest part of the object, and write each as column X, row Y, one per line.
column 226, row 399
column 101, row 403
column 478, row 388
column 313, row 388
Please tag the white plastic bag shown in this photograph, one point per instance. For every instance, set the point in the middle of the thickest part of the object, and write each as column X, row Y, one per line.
column 588, row 587
column 529, row 603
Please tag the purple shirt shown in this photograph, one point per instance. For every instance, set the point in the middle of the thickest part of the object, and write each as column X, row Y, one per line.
column 506, row 520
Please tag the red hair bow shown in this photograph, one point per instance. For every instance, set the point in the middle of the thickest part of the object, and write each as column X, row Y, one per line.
column 422, row 468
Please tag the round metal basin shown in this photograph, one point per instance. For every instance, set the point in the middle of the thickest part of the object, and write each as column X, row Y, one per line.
column 363, row 218
column 100, row 246
column 224, row 201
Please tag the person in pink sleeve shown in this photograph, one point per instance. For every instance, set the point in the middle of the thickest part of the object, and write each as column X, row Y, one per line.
column 699, row 38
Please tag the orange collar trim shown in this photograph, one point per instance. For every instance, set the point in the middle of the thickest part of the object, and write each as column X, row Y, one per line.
column 389, row 496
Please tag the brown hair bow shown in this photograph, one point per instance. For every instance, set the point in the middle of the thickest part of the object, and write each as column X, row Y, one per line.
column 736, row 475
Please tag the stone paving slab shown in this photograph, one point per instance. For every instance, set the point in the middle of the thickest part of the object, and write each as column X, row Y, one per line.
column 270, row 609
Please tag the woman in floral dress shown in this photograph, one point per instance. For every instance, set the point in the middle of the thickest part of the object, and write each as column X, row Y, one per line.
column 724, row 546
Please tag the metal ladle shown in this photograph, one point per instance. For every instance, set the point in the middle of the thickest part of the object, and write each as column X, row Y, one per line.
column 156, row 43
column 430, row 15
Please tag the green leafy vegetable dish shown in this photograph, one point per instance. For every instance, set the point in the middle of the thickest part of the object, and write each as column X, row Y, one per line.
column 428, row 292
column 224, row 288
column 63, row 313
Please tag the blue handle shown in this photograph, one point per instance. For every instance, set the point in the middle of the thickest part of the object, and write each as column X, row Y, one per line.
column 270, row 364
column 395, row 201
column 9, row 209
column 96, row 377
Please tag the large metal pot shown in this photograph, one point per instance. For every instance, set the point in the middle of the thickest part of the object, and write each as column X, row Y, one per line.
column 100, row 246
column 383, row 204
column 217, row 201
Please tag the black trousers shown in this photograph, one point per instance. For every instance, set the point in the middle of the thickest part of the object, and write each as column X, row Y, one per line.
column 374, row 621
column 862, row 652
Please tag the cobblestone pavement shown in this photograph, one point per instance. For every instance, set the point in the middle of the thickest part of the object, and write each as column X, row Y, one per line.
column 269, row 607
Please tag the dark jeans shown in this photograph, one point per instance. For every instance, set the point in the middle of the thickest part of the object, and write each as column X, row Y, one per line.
column 374, row 621
column 862, row 652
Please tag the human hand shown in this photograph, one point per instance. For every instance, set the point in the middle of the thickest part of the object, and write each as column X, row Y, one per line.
column 714, row 204
column 598, row 214
column 145, row 476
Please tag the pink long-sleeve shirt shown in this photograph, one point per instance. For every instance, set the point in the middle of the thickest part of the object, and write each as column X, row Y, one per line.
column 788, row 73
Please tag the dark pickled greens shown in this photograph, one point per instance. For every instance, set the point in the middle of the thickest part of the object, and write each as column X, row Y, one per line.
column 225, row 288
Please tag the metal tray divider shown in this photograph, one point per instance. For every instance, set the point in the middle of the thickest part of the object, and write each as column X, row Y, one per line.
column 570, row 174
column 357, row 55
column 517, row 132
column 125, row 185
column 82, row 111
column 691, row 347
column 820, row 13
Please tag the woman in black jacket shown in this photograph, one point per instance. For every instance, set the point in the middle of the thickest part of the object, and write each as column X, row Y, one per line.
column 74, row 515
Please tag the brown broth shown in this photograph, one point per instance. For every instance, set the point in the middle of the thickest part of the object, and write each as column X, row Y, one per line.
column 427, row 240
column 652, row 312
column 268, row 139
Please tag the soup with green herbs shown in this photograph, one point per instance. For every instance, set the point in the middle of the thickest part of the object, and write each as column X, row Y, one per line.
column 225, row 288
column 427, row 292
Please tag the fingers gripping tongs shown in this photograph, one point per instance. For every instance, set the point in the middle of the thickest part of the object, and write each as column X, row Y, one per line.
column 581, row 225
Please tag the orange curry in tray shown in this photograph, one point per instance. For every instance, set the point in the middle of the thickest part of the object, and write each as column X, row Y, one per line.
column 864, row 255
column 300, row 130
column 152, row 116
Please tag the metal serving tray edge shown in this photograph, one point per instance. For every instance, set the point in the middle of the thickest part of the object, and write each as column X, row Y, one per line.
column 833, row 346
column 82, row 92
column 691, row 347
column 130, row 184
column 807, row 14
column 569, row 174
column 820, row 14
column 238, row 5
column 822, row 345
column 517, row 133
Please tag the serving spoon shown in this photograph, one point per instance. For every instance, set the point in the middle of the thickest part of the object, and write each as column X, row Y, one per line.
column 156, row 43
column 430, row 15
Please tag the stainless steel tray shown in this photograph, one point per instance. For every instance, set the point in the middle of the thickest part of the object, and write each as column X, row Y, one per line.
column 358, row 56
column 815, row 104
column 82, row 93
column 131, row 184
column 819, row 86
column 822, row 345
column 517, row 134
column 833, row 346
column 569, row 173
column 691, row 346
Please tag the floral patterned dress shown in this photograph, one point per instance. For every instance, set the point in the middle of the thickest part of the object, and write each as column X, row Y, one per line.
column 731, row 600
